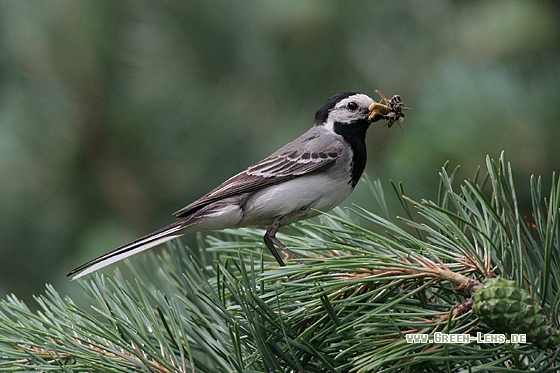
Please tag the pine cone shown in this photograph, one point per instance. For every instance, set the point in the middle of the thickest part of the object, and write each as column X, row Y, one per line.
column 506, row 308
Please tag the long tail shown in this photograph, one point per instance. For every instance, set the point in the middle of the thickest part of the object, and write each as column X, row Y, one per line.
column 143, row 243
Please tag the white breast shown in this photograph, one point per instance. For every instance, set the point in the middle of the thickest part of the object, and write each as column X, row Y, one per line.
column 295, row 199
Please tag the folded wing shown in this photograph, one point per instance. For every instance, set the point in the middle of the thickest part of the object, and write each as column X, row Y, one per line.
column 277, row 168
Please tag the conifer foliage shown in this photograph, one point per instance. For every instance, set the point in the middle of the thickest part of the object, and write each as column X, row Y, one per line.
column 365, row 283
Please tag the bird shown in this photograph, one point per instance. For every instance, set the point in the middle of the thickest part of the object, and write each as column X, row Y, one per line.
column 311, row 174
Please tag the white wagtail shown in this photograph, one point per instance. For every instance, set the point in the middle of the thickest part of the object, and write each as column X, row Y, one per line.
column 313, row 173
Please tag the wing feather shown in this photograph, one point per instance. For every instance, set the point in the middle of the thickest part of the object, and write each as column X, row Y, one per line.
column 277, row 168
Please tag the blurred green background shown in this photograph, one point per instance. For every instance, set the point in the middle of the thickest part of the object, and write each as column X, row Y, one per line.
column 114, row 114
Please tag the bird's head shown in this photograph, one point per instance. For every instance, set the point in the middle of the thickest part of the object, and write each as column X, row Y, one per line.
column 345, row 108
column 358, row 109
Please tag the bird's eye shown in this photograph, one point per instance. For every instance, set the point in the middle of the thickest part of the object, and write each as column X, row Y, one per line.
column 352, row 106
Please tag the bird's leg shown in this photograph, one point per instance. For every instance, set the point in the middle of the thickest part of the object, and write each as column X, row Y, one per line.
column 270, row 240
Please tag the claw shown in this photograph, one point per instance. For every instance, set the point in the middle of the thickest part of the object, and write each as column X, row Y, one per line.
column 270, row 240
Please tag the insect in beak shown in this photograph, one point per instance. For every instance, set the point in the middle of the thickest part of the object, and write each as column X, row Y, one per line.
column 390, row 109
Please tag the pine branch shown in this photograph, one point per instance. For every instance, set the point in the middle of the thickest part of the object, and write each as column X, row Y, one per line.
column 347, row 307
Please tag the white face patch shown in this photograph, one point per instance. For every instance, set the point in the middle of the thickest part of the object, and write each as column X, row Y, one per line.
column 348, row 110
